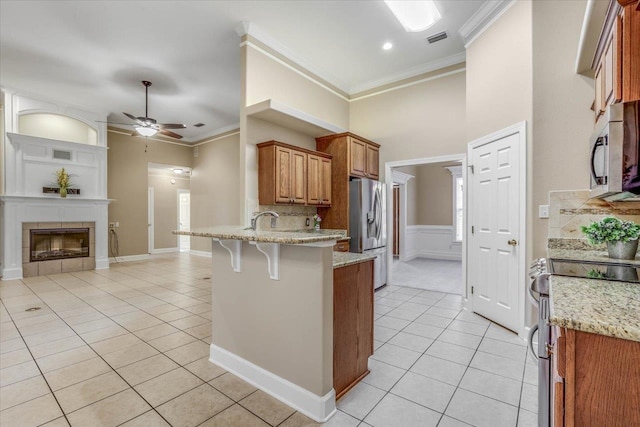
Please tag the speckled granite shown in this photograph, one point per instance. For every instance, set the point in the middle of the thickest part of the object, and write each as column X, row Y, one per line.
column 598, row 256
column 237, row 232
column 596, row 306
column 576, row 244
column 342, row 259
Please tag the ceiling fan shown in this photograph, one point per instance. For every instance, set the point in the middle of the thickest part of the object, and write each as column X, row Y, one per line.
column 146, row 126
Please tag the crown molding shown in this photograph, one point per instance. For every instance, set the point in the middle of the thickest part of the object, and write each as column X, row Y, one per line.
column 400, row 177
column 215, row 134
column 488, row 13
column 246, row 28
column 397, row 81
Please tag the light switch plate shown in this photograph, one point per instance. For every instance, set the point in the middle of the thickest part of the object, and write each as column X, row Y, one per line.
column 543, row 211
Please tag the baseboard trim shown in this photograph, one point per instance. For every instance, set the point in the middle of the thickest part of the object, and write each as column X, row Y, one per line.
column 102, row 264
column 433, row 255
column 128, row 258
column 164, row 250
column 200, row 253
column 11, row 273
column 318, row 408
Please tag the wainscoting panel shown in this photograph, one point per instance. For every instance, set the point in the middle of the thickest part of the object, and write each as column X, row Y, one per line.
column 431, row 241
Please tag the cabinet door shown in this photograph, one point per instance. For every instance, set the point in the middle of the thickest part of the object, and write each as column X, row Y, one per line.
column 358, row 157
column 283, row 175
column 345, row 327
column 298, row 177
column 373, row 162
column 609, row 74
column 314, row 180
column 365, row 315
column 599, row 83
column 325, row 181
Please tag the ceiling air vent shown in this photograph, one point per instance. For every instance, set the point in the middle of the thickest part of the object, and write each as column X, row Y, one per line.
column 198, row 125
column 437, row 37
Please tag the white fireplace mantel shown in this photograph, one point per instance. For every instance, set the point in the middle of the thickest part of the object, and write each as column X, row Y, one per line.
column 18, row 209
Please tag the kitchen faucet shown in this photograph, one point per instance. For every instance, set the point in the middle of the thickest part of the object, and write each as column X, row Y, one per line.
column 254, row 220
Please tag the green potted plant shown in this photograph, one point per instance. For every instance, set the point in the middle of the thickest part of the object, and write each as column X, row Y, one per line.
column 620, row 236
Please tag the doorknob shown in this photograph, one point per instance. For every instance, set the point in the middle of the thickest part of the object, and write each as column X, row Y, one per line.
column 512, row 242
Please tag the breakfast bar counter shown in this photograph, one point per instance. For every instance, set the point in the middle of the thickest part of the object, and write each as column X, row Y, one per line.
column 272, row 311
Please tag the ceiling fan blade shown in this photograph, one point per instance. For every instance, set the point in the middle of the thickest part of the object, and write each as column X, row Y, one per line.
column 134, row 118
column 171, row 126
column 135, row 133
column 170, row 134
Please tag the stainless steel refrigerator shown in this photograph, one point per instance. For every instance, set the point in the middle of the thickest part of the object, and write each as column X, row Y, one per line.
column 367, row 224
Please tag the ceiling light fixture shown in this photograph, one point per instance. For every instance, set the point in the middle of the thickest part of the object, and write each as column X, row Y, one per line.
column 145, row 131
column 177, row 170
column 387, row 46
column 415, row 16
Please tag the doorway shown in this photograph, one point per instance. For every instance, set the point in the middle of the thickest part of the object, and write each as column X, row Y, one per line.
column 428, row 223
column 184, row 221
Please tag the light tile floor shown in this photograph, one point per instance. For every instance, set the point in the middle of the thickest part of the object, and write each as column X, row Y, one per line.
column 429, row 274
column 129, row 346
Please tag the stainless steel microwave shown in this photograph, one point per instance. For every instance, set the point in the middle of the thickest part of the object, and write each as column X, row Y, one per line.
column 615, row 153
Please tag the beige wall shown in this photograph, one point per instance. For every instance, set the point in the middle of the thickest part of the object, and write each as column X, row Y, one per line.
column 499, row 69
column 423, row 120
column 127, row 174
column 215, row 191
column 434, row 199
column 562, row 119
column 267, row 78
column 165, row 202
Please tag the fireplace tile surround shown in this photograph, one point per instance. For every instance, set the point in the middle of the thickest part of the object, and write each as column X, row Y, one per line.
column 43, row 268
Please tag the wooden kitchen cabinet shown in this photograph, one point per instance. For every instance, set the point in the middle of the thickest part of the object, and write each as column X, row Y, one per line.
column 319, row 179
column 341, row 246
column 284, row 175
column 352, row 324
column 353, row 156
column 617, row 59
column 364, row 158
column 595, row 380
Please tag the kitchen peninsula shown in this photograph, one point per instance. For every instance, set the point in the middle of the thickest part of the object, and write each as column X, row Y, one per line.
column 273, row 310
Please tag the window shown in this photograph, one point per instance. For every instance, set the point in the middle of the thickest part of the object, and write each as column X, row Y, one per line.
column 458, row 202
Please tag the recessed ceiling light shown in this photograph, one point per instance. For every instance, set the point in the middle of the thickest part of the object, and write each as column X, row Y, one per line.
column 387, row 46
column 415, row 16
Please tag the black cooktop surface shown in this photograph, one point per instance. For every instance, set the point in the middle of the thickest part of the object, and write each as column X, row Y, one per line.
column 595, row 270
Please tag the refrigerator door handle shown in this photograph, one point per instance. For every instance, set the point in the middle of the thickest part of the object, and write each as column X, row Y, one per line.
column 378, row 214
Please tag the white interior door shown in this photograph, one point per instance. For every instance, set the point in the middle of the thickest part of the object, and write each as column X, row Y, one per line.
column 496, row 221
column 150, row 212
column 184, row 215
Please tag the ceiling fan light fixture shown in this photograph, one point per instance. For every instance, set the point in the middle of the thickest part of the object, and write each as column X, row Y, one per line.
column 415, row 16
column 178, row 170
column 145, row 131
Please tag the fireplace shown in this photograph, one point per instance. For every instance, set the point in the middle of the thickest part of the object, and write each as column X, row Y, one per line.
column 58, row 247
column 58, row 243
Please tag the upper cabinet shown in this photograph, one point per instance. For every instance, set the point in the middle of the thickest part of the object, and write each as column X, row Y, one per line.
column 353, row 156
column 364, row 158
column 291, row 175
column 319, row 180
column 617, row 59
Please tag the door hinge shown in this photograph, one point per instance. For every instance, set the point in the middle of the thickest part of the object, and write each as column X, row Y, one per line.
column 472, row 290
column 472, row 170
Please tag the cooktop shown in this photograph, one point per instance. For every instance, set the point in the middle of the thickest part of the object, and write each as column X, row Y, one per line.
column 595, row 270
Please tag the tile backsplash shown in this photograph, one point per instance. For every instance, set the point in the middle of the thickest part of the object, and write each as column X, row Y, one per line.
column 291, row 217
column 569, row 210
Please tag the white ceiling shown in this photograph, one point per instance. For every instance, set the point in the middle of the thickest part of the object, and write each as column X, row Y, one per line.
column 93, row 54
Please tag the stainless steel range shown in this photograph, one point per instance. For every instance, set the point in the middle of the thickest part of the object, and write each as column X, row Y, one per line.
column 539, row 295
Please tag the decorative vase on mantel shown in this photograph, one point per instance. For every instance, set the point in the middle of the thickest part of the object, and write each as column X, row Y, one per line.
column 622, row 250
column 63, row 192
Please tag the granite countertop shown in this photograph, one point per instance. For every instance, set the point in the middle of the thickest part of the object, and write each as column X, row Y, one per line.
column 293, row 237
column 342, row 259
column 597, row 306
column 592, row 255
